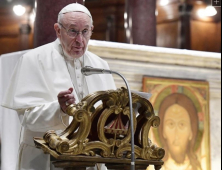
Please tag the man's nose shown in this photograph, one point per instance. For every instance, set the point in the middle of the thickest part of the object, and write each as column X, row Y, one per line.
column 176, row 131
column 79, row 37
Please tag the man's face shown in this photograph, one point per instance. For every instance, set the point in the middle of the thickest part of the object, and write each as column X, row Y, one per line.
column 74, row 47
column 177, row 131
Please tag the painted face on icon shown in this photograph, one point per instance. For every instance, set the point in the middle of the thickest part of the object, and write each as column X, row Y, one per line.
column 177, row 131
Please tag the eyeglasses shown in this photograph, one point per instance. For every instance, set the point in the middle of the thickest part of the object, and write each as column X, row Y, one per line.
column 73, row 33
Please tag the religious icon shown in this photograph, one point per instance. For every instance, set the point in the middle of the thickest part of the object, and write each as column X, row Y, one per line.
column 183, row 108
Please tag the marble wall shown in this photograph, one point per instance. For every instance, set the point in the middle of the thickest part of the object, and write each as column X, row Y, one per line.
column 135, row 61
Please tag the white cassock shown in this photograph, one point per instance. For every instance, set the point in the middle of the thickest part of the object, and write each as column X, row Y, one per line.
column 38, row 77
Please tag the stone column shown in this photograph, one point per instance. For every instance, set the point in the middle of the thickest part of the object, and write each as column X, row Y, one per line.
column 143, row 22
column 184, row 27
column 46, row 15
column 24, row 30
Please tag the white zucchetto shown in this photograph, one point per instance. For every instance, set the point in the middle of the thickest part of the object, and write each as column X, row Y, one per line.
column 75, row 7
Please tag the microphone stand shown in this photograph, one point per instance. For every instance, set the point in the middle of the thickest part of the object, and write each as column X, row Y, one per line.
column 101, row 71
column 131, row 121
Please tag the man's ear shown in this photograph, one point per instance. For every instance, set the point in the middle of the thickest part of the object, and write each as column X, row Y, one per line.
column 191, row 135
column 164, row 135
column 57, row 30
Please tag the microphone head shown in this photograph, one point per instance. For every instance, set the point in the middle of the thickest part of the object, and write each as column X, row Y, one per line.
column 85, row 71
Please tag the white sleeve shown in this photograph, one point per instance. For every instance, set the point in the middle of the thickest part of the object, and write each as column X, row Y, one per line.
column 43, row 118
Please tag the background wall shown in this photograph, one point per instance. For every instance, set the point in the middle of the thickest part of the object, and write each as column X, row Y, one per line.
column 177, row 27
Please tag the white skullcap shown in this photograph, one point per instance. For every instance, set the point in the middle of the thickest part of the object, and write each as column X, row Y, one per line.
column 75, row 7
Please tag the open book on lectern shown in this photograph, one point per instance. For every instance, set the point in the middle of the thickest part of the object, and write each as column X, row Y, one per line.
column 142, row 94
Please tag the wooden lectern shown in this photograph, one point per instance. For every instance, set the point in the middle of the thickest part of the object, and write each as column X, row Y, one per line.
column 100, row 133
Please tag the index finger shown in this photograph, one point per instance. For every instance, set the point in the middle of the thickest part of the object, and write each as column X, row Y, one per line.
column 63, row 93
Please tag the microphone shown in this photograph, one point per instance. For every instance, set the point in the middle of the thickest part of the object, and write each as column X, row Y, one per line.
column 87, row 71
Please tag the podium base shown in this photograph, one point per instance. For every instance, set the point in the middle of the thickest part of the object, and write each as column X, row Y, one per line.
column 81, row 162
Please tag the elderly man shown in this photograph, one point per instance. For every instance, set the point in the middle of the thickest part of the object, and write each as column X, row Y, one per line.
column 47, row 79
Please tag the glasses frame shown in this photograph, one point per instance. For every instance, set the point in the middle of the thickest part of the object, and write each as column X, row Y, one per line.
column 77, row 32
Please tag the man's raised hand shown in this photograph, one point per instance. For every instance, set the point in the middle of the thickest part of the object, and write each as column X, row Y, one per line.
column 65, row 98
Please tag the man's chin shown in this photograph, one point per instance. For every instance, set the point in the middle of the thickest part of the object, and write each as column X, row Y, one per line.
column 77, row 54
column 179, row 158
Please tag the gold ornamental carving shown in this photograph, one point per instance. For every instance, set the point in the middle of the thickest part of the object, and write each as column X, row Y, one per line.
column 101, row 126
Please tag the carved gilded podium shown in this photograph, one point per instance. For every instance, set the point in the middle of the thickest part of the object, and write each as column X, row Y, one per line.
column 100, row 133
